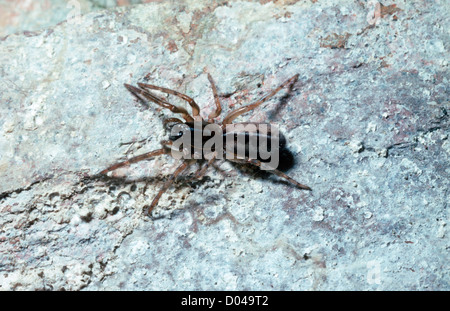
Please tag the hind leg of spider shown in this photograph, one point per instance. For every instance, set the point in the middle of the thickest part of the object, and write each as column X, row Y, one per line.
column 141, row 94
column 138, row 158
column 216, row 113
column 191, row 102
column 180, row 169
column 201, row 172
column 276, row 172
column 237, row 112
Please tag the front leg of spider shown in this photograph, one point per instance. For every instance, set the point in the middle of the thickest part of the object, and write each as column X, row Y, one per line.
column 135, row 159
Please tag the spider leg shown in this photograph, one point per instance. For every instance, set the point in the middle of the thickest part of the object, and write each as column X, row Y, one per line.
column 201, row 172
column 171, row 120
column 135, row 159
column 168, row 143
column 192, row 103
column 167, row 184
column 237, row 112
column 274, row 171
column 159, row 101
column 216, row 113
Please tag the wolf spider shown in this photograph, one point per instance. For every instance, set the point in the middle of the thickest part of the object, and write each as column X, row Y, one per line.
column 142, row 92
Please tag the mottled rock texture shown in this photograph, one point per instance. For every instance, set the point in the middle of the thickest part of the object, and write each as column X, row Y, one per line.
column 34, row 15
column 367, row 123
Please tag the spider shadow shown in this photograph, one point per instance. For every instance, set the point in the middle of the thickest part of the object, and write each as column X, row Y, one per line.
column 282, row 103
column 111, row 182
column 286, row 163
column 188, row 179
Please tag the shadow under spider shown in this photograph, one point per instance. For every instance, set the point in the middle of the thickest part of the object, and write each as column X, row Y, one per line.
column 282, row 103
column 188, row 179
column 287, row 163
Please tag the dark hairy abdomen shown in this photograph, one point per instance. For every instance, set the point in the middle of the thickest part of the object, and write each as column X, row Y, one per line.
column 244, row 139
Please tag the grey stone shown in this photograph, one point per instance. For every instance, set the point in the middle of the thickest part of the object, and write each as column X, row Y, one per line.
column 367, row 123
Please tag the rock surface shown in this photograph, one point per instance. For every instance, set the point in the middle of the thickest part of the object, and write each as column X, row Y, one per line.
column 367, row 122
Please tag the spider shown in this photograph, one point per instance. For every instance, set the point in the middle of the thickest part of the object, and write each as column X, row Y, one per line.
column 142, row 92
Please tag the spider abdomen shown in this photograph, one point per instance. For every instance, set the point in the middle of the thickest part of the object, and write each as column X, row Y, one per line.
column 259, row 141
